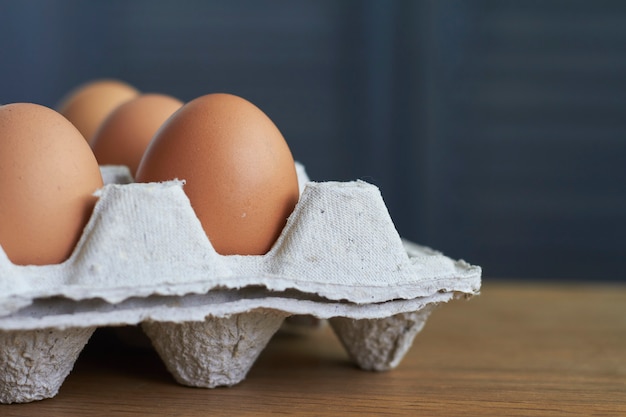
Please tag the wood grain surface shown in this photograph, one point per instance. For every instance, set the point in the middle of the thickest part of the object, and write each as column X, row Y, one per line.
column 517, row 349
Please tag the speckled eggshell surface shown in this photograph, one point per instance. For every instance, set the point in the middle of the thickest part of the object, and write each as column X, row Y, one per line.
column 238, row 170
column 48, row 175
column 125, row 134
column 88, row 104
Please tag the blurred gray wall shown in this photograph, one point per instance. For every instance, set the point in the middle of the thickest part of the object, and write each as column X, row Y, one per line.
column 496, row 130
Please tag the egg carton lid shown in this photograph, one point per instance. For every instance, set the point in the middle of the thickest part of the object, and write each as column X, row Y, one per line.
column 145, row 241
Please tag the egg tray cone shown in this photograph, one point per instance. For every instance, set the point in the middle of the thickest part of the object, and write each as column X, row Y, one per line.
column 143, row 258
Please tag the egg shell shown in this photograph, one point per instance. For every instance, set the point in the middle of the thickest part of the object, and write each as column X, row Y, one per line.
column 239, row 171
column 124, row 135
column 48, row 175
column 88, row 104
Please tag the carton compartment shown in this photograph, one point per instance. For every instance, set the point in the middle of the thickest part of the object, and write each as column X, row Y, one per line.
column 34, row 363
column 380, row 344
column 215, row 352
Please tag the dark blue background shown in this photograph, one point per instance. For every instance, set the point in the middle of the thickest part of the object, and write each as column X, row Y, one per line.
column 496, row 130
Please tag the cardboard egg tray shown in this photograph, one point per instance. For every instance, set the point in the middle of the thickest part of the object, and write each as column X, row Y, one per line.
column 144, row 259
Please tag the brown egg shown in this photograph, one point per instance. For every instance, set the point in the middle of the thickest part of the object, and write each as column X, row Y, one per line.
column 125, row 134
column 239, row 172
column 47, row 177
column 87, row 105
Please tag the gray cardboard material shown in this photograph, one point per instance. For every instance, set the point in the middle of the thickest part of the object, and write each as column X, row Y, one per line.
column 144, row 259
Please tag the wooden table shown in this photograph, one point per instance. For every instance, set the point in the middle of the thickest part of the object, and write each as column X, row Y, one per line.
column 517, row 349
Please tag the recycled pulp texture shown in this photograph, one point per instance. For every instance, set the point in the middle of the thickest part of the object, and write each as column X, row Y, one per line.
column 144, row 258
column 34, row 363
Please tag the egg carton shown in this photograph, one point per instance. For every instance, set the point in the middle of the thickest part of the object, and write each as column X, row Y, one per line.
column 143, row 258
